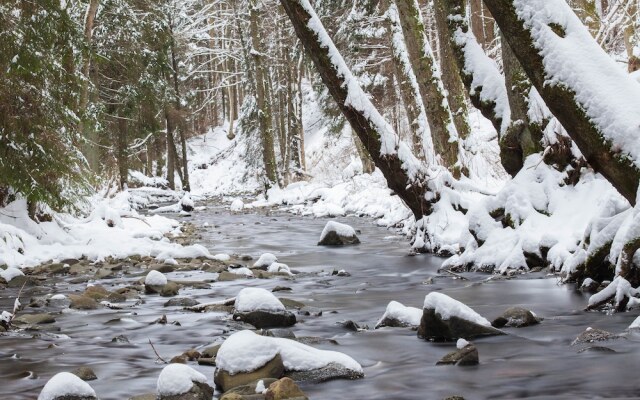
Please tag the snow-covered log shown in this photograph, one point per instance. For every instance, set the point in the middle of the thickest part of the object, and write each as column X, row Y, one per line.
column 404, row 173
column 589, row 94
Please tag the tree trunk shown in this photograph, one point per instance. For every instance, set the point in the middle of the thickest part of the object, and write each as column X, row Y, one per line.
column 264, row 114
column 89, row 149
column 122, row 153
column 367, row 163
column 363, row 117
column 171, row 161
column 179, row 120
column 451, row 74
column 521, row 138
column 443, row 132
column 482, row 23
column 618, row 169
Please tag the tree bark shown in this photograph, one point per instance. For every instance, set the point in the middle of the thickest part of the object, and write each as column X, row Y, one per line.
column 179, row 120
column 563, row 103
column 171, row 161
column 89, row 149
column 411, row 189
column 443, row 132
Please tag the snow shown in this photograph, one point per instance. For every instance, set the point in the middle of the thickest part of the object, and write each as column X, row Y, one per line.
column 461, row 344
column 279, row 267
column 402, row 313
column 240, row 271
column 65, row 384
column 635, row 324
column 24, row 243
column 177, row 379
column 10, row 273
column 237, row 205
column 222, row 257
column 246, row 351
column 6, row 316
column 337, row 227
column 187, row 201
column 448, row 307
column 607, row 94
column 254, row 299
column 155, row 278
column 260, row 387
column 265, row 260
column 58, row 297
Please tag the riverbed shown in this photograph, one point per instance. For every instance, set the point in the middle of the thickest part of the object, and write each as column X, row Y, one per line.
column 532, row 362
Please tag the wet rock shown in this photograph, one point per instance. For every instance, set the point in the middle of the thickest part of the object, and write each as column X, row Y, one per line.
column 291, row 304
column 433, row 327
column 26, row 281
column 226, row 276
column 81, row 302
column 34, row 319
column 281, row 289
column 468, row 355
column 589, row 286
column 164, row 268
column 591, row 335
column 211, row 351
column 330, row 372
column 454, row 398
column 266, row 319
column 120, row 339
column 340, row 273
column 148, row 396
column 272, row 369
column 199, row 391
column 284, row 389
column 310, row 311
column 279, row 333
column 170, row 289
column 353, row 326
column 315, row 340
column 70, row 261
column 515, row 317
column 251, row 388
column 181, row 302
column 337, row 234
column 237, row 396
column 85, row 373
column 597, row 350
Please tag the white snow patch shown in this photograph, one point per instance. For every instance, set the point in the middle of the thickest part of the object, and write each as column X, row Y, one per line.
column 337, row 227
column 65, row 384
column 155, row 278
column 402, row 313
column 461, row 344
column 265, row 260
column 279, row 267
column 253, row 299
column 10, row 273
column 222, row 257
column 237, row 205
column 177, row 379
column 246, row 351
column 448, row 307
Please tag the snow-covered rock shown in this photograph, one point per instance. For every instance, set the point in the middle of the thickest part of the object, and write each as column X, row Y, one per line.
column 265, row 260
column 155, row 278
column 186, row 203
column 279, row 267
column 246, row 351
column 262, row 309
column 240, row 271
column 222, row 257
column 179, row 379
column 337, row 234
column 446, row 319
column 237, row 205
column 257, row 299
column 66, row 385
column 10, row 273
column 399, row 315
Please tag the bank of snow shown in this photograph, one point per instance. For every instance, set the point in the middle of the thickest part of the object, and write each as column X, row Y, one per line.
column 112, row 228
column 246, row 351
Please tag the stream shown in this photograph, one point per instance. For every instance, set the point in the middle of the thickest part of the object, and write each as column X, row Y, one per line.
column 533, row 362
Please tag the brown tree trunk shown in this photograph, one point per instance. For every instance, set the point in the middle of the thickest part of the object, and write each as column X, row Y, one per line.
column 171, row 161
column 563, row 103
column 435, row 103
column 180, row 126
column 89, row 149
column 411, row 189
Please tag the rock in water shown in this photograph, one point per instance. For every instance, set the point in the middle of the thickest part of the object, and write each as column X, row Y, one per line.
column 67, row 386
column 399, row 316
column 85, row 373
column 187, row 203
column 180, row 382
column 515, row 317
column 468, row 355
column 274, row 368
column 283, row 389
column 337, row 234
column 445, row 319
column 591, row 335
column 262, row 309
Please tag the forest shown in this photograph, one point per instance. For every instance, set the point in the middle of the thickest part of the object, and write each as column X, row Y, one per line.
column 292, row 199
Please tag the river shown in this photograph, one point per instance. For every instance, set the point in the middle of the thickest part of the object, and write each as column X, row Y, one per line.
column 532, row 362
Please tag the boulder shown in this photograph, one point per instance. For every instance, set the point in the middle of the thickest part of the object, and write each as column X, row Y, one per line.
column 515, row 317
column 285, row 389
column 199, row 391
column 330, row 372
column 434, row 327
column 468, row 355
column 181, row 302
column 34, row 319
column 85, row 373
column 81, row 302
column 67, row 386
column 337, row 234
column 272, row 369
column 591, row 335
column 266, row 319
column 170, row 289
column 180, row 382
column 252, row 388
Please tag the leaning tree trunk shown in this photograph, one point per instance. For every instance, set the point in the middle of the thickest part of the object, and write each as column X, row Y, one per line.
column 521, row 138
column 443, row 132
column 594, row 141
column 366, row 121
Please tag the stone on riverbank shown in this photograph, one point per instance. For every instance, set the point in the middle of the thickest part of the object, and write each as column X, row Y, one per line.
column 85, row 373
column 466, row 354
column 180, row 382
column 67, row 386
column 273, row 368
column 445, row 319
column 337, row 234
column 285, row 389
column 262, row 309
column 398, row 315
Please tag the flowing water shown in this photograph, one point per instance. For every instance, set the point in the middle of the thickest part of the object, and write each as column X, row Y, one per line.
column 533, row 362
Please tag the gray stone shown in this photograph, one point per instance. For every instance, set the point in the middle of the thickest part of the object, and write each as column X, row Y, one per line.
column 266, row 319
column 330, row 372
column 85, row 373
column 591, row 335
column 515, row 317
column 34, row 319
column 468, row 355
column 433, row 327
column 181, row 302
column 250, row 389
column 332, row 238
column 285, row 389
column 199, row 391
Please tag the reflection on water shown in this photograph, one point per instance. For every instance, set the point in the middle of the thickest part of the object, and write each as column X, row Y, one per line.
column 534, row 362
